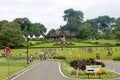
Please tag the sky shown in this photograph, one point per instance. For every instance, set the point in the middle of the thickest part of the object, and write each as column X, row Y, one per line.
column 50, row 12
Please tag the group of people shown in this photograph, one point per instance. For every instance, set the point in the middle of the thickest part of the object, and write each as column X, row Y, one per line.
column 44, row 56
column 108, row 54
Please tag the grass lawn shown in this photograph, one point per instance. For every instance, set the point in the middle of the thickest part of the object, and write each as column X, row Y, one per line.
column 70, row 72
column 70, row 54
column 13, row 68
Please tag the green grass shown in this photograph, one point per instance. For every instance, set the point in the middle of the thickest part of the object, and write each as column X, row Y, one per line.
column 76, row 44
column 69, row 53
column 70, row 72
column 13, row 67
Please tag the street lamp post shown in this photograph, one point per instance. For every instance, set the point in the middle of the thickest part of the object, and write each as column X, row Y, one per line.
column 27, row 52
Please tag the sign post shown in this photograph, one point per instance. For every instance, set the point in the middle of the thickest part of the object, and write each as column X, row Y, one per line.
column 7, row 51
column 93, row 69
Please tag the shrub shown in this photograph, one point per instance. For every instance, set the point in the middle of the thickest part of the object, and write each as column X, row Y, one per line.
column 73, row 72
column 70, row 43
column 96, row 42
column 107, row 44
column 81, row 64
column 117, row 44
column 57, row 43
column 116, row 58
column 59, row 57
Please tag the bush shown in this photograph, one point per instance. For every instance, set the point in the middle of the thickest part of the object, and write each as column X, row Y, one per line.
column 70, row 43
column 96, row 42
column 57, row 43
column 59, row 57
column 116, row 58
column 107, row 44
column 81, row 64
column 73, row 72
column 117, row 44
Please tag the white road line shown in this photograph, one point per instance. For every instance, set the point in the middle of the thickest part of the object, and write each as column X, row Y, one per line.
column 25, row 71
column 59, row 65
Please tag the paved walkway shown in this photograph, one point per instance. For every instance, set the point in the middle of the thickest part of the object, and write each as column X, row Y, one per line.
column 50, row 70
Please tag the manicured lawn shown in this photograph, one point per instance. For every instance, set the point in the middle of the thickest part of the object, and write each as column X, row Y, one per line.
column 69, row 71
column 69, row 53
column 13, row 68
column 77, row 51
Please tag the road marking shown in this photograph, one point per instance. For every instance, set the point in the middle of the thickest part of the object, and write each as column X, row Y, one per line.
column 59, row 65
column 25, row 71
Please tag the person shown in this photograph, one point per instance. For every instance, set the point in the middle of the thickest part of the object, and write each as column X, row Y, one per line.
column 107, row 54
column 98, row 56
column 111, row 54
column 31, row 58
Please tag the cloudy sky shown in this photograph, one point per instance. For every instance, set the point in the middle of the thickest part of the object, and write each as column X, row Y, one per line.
column 50, row 12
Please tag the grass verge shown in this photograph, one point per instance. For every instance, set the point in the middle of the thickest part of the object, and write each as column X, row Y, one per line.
column 70, row 72
column 10, row 68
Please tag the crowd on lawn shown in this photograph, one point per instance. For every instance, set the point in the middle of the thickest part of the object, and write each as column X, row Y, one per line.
column 46, row 53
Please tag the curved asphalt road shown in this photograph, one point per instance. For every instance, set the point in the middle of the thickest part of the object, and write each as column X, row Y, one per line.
column 50, row 70
column 44, row 70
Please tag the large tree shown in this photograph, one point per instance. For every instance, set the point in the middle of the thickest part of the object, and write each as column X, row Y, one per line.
column 101, row 23
column 3, row 22
column 74, row 19
column 37, row 29
column 27, row 27
column 85, row 31
column 11, row 35
column 108, row 33
column 23, row 22
column 52, row 31
column 105, row 22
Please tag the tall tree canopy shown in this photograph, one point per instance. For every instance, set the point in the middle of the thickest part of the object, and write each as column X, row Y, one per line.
column 73, row 18
column 30, row 28
column 101, row 22
column 105, row 22
column 3, row 22
column 85, row 31
column 23, row 22
column 52, row 31
column 11, row 35
column 37, row 29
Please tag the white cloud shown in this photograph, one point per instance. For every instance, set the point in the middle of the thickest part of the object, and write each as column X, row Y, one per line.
column 50, row 12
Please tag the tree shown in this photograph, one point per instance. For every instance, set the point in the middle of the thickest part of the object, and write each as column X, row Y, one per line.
column 52, row 31
column 23, row 23
column 117, row 32
column 11, row 35
column 30, row 28
column 73, row 18
column 94, row 24
column 117, row 21
column 37, row 29
column 3, row 22
column 117, row 28
column 85, row 31
column 108, row 33
column 105, row 22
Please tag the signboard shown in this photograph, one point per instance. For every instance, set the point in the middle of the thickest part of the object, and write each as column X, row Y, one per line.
column 7, row 50
column 93, row 69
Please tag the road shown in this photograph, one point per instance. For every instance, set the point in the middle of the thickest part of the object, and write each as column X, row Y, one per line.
column 50, row 70
column 44, row 70
column 114, row 67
